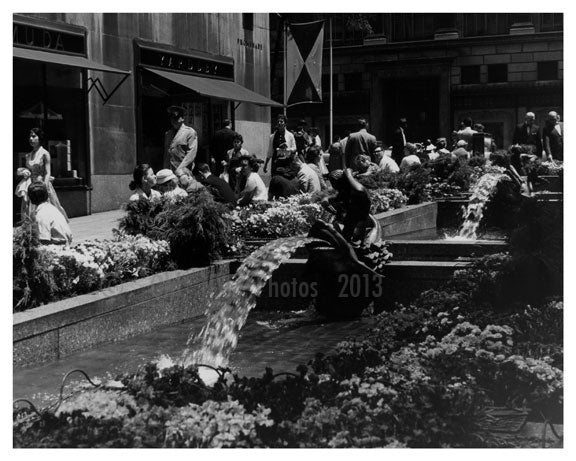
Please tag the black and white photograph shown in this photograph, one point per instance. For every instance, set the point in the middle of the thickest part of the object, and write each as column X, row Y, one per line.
column 288, row 229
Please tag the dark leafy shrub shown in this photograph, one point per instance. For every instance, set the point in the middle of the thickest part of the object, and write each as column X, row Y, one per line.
column 379, row 180
column 33, row 285
column 196, row 227
column 414, row 184
column 140, row 215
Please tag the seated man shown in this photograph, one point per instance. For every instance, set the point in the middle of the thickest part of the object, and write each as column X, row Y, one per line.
column 308, row 179
column 385, row 161
column 219, row 188
column 52, row 226
column 285, row 183
column 411, row 158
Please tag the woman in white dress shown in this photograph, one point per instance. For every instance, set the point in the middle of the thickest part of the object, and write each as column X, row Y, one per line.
column 38, row 168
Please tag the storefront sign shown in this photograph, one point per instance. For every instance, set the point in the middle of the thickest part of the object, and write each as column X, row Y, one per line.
column 48, row 39
column 249, row 44
column 189, row 64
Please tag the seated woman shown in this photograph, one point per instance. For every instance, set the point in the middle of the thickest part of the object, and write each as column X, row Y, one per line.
column 313, row 155
column 187, row 181
column 143, row 181
column 363, row 166
column 167, row 185
column 254, row 190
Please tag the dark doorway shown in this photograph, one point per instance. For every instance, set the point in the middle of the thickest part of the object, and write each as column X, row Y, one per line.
column 416, row 99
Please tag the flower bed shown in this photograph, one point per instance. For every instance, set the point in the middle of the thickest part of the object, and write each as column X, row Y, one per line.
column 279, row 218
column 295, row 215
column 47, row 273
column 429, row 375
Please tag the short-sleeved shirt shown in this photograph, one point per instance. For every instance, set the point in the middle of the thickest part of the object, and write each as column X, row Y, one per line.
column 388, row 164
column 255, row 184
column 308, row 179
column 409, row 161
column 52, row 225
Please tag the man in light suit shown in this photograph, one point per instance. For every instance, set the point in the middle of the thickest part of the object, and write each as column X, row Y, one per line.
column 360, row 143
column 528, row 133
column 553, row 137
column 180, row 141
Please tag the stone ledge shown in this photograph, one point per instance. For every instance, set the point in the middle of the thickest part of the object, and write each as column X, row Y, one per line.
column 408, row 219
column 58, row 329
column 441, row 250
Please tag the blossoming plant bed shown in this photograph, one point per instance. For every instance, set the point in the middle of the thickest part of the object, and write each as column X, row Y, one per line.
column 57, row 329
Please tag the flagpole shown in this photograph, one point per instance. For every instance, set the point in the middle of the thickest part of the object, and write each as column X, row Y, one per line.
column 331, row 91
column 285, row 66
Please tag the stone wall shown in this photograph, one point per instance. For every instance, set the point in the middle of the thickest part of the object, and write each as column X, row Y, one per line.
column 71, row 325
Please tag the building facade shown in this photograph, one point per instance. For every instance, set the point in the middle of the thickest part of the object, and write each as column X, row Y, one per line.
column 99, row 85
column 435, row 69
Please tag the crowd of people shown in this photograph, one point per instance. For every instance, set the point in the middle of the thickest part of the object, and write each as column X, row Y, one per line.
column 297, row 162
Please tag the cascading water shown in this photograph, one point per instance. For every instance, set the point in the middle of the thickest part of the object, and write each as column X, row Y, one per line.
column 228, row 310
column 483, row 190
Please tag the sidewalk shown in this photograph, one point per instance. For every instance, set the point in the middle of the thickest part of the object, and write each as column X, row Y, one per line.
column 95, row 226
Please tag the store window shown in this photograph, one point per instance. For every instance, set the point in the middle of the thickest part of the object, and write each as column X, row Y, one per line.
column 51, row 97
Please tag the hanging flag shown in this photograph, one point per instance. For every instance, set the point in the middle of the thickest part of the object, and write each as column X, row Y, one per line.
column 304, row 62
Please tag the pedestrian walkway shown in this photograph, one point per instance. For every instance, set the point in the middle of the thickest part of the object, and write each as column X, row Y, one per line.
column 95, row 226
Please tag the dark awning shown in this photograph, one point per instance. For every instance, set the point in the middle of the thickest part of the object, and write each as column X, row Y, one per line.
column 64, row 59
column 222, row 89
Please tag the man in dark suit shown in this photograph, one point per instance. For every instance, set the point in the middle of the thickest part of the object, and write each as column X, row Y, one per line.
column 219, row 188
column 553, row 137
column 360, row 143
column 222, row 142
column 399, row 140
column 528, row 134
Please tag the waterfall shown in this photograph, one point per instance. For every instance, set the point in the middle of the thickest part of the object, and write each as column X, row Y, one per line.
column 228, row 310
column 483, row 190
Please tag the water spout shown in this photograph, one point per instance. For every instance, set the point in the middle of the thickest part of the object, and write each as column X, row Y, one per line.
column 228, row 310
column 483, row 190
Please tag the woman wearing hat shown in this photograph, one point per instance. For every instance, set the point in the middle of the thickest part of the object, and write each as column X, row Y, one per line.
column 167, row 185
column 143, row 181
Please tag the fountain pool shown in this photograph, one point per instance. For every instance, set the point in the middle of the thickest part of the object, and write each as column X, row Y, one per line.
column 280, row 340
